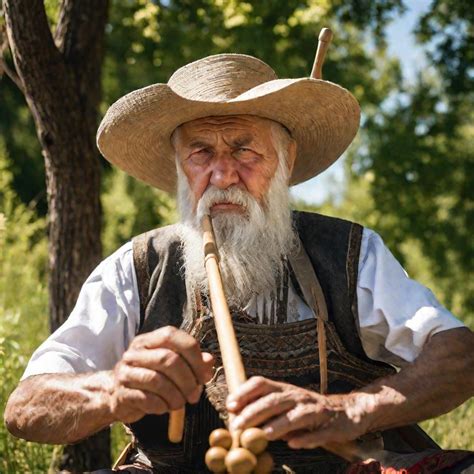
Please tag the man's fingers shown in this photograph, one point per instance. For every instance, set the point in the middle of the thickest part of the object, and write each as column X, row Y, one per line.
column 262, row 410
column 301, row 417
column 168, row 363
column 152, row 403
column 328, row 432
column 252, row 389
column 129, row 405
column 151, row 381
column 307, row 440
column 181, row 342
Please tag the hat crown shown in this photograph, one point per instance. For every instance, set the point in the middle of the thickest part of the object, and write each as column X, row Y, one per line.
column 220, row 78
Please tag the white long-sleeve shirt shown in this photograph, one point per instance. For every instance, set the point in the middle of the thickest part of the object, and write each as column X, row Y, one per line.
column 397, row 315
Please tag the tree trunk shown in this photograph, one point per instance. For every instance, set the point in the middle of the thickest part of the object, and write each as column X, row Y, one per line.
column 61, row 82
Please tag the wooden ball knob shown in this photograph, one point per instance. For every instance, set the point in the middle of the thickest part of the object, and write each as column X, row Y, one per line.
column 220, row 437
column 254, row 439
column 215, row 459
column 264, row 463
column 240, row 461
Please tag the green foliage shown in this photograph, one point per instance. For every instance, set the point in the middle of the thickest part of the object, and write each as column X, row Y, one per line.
column 453, row 430
column 130, row 208
column 423, row 179
column 148, row 41
column 420, row 152
column 23, row 311
column 19, row 138
column 22, row 239
column 447, row 30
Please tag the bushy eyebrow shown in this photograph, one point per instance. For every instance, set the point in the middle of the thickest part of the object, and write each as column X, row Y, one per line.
column 237, row 142
column 198, row 144
column 242, row 141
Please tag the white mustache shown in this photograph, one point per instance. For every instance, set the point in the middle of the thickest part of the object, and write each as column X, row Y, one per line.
column 232, row 195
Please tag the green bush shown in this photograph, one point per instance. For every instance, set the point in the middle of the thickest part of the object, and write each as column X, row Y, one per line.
column 130, row 208
column 23, row 312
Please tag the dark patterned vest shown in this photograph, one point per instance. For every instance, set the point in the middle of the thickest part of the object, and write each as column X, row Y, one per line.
column 281, row 351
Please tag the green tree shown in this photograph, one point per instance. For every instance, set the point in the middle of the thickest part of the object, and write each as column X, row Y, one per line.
column 420, row 152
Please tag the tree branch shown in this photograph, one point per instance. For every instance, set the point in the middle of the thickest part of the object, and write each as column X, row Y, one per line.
column 40, row 66
column 4, row 66
column 80, row 27
column 59, row 82
column 30, row 39
column 79, row 37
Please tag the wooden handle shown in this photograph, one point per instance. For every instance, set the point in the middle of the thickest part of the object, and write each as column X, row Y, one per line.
column 176, row 425
column 324, row 40
column 230, row 352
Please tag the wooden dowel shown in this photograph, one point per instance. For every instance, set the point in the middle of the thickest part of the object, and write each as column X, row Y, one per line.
column 176, row 425
column 324, row 40
column 230, row 352
column 323, row 361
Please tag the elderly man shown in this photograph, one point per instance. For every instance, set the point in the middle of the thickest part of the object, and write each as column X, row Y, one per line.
column 230, row 138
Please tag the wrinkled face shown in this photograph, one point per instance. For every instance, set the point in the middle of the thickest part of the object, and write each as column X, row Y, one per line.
column 227, row 151
column 236, row 169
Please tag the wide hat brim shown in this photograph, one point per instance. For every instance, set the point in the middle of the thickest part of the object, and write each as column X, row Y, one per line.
column 321, row 116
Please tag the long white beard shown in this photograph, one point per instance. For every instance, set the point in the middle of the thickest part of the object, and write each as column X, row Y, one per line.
column 252, row 246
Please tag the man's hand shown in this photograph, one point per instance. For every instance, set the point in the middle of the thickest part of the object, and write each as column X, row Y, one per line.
column 440, row 379
column 160, row 371
column 303, row 418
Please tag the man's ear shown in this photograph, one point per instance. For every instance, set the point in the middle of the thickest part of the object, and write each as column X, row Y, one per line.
column 292, row 148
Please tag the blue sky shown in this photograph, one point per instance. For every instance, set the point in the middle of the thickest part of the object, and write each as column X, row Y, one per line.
column 401, row 43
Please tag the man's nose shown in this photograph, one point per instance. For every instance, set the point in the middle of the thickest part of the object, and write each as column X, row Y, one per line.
column 224, row 172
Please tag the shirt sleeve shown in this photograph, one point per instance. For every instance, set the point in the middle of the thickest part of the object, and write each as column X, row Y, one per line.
column 103, row 322
column 397, row 315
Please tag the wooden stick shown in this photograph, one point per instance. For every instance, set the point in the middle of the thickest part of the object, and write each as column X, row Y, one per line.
column 323, row 360
column 176, row 425
column 349, row 451
column 230, row 352
column 324, row 40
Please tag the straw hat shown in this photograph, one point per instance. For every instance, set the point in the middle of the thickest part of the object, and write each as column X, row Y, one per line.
column 135, row 133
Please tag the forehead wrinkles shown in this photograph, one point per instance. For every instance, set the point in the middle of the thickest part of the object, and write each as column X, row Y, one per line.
column 225, row 124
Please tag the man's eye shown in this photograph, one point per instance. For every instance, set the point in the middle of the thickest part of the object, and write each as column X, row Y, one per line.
column 200, row 157
column 243, row 151
column 245, row 154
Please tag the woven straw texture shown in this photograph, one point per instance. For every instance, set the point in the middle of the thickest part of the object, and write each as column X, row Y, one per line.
column 135, row 133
